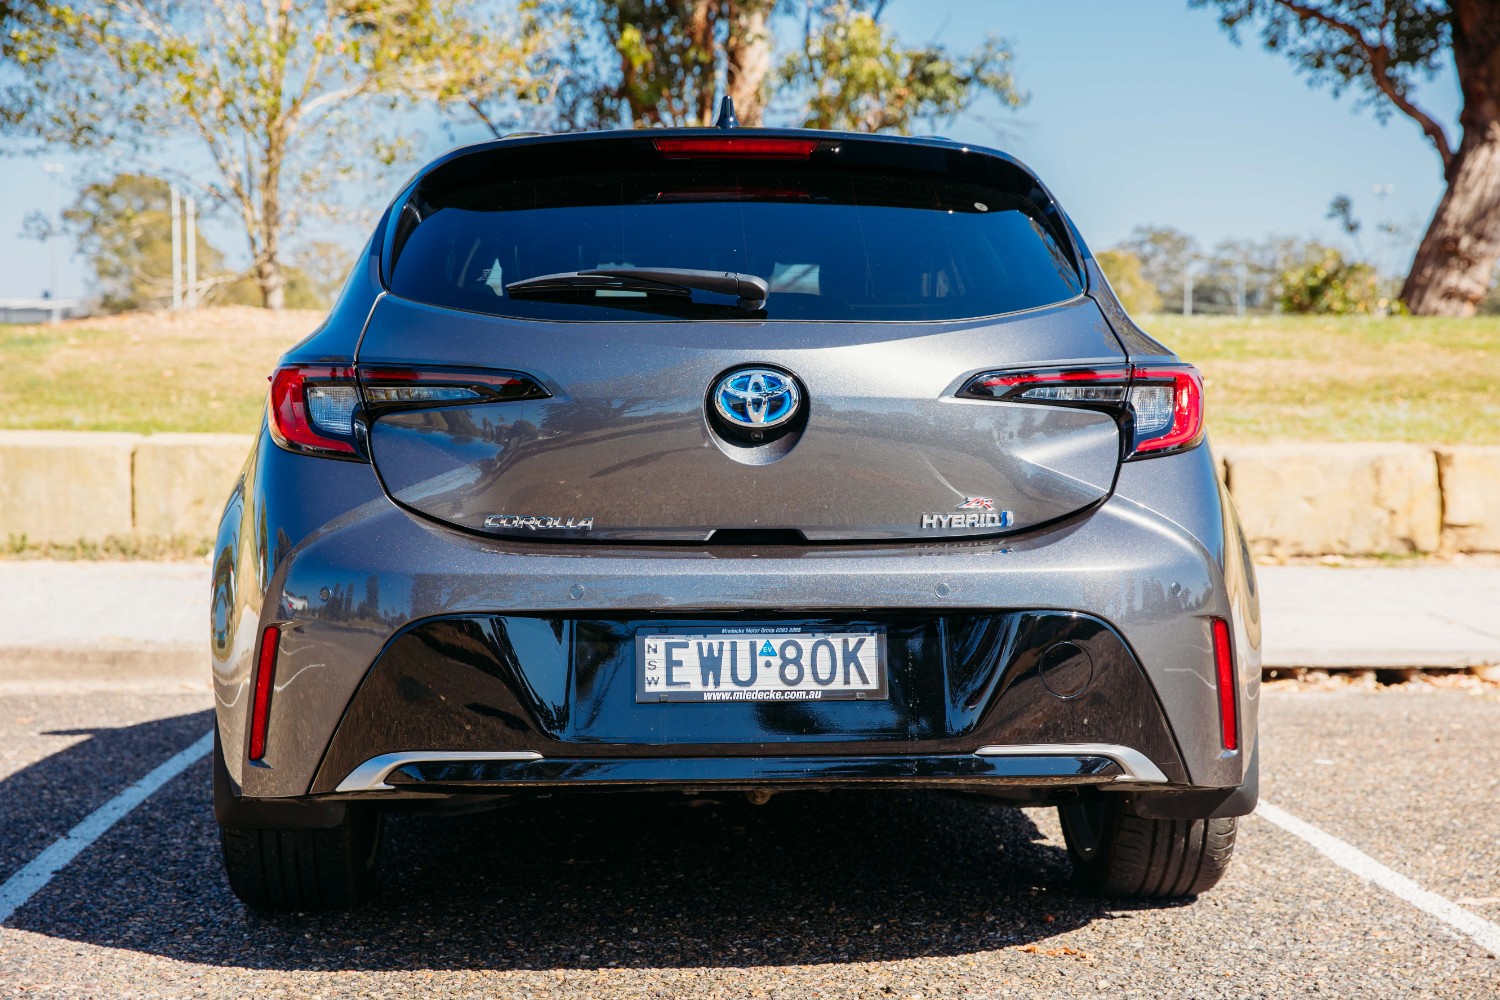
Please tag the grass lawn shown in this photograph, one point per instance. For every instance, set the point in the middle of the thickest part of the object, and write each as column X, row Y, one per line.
column 1325, row 378
column 203, row 371
column 1284, row 378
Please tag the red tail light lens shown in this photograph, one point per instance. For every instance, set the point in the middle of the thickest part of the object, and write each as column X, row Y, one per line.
column 1168, row 406
column 312, row 409
column 385, row 388
column 1224, row 676
column 735, row 148
column 265, row 678
column 1066, row 385
column 1164, row 403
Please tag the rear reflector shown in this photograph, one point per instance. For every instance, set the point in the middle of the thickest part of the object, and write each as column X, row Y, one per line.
column 1224, row 675
column 736, row 148
column 265, row 677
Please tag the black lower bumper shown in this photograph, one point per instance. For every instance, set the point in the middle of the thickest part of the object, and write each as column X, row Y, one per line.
column 563, row 690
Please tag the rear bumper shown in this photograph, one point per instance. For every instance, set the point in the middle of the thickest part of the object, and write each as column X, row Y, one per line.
column 356, row 575
column 506, row 701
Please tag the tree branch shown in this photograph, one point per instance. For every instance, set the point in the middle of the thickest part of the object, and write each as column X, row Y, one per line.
column 1378, row 56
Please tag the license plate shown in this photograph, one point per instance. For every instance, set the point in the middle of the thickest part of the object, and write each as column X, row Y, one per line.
column 760, row 663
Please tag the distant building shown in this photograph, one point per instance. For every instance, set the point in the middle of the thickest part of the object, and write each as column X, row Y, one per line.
column 40, row 310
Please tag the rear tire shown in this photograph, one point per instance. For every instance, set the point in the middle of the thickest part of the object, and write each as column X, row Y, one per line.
column 286, row 870
column 1117, row 854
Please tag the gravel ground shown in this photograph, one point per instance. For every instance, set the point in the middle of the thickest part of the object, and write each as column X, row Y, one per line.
column 812, row 895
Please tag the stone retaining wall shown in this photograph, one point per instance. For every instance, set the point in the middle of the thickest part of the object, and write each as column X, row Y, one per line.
column 1294, row 499
column 68, row 486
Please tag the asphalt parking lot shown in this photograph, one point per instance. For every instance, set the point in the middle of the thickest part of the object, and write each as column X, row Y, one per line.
column 813, row 895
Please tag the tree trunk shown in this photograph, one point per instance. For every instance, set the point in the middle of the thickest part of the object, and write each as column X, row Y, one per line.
column 272, row 284
column 748, row 55
column 1456, row 260
column 700, row 30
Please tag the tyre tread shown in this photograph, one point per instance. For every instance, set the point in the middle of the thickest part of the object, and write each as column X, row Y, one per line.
column 1158, row 858
column 299, row 869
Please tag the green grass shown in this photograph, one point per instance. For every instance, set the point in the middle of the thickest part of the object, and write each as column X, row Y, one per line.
column 145, row 372
column 1324, row 378
column 1283, row 378
column 112, row 548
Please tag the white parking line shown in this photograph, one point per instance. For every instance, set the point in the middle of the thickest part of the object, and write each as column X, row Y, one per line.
column 29, row 880
column 1351, row 858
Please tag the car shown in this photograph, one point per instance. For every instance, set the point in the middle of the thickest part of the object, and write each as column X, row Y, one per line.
column 729, row 460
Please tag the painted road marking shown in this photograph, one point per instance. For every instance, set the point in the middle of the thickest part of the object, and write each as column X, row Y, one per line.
column 29, row 880
column 1351, row 858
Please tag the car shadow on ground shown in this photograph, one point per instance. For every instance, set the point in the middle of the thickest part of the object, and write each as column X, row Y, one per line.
column 584, row 881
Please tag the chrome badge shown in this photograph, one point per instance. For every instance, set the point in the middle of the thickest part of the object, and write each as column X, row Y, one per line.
column 539, row 523
column 980, row 513
column 757, row 398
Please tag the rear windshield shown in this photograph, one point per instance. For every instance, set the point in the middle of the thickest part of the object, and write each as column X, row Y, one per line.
column 832, row 243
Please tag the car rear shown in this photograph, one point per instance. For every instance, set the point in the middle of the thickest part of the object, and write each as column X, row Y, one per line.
column 731, row 460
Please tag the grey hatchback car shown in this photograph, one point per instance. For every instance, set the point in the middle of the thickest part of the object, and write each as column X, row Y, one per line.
column 730, row 461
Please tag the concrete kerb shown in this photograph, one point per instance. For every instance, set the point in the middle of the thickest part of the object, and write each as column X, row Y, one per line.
column 65, row 487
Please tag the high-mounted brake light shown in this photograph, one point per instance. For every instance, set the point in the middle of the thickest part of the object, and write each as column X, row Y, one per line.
column 265, row 678
column 312, row 409
column 1164, row 403
column 735, row 148
column 1224, row 677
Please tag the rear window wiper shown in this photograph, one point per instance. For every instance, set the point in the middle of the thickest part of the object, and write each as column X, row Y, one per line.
column 750, row 290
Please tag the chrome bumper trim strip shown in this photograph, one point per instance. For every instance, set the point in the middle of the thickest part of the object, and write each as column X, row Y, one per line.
column 1138, row 767
column 370, row 776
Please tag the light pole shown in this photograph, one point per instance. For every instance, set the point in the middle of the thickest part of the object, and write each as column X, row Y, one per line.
column 1381, row 192
column 52, row 170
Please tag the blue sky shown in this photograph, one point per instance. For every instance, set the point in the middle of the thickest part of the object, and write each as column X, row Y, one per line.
column 1140, row 112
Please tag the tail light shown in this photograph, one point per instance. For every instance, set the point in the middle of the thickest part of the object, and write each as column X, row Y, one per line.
column 1224, row 677
column 1160, row 407
column 386, row 388
column 312, row 408
column 265, row 678
column 1168, row 407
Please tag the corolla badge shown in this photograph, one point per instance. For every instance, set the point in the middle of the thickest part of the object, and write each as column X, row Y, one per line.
column 535, row 522
column 757, row 398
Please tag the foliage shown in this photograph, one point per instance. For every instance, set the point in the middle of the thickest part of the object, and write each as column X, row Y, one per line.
column 670, row 56
column 123, row 226
column 1491, row 304
column 510, row 75
column 1165, row 254
column 1382, row 49
column 860, row 78
column 665, row 61
column 1136, row 294
column 1379, row 48
column 273, row 91
column 1323, row 282
column 1341, row 210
